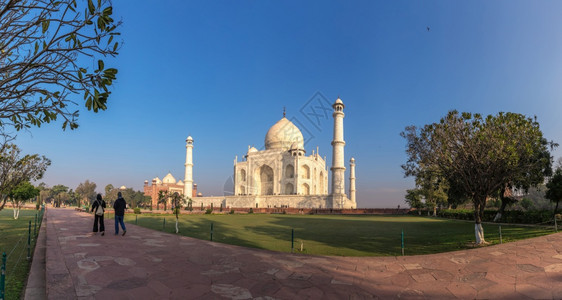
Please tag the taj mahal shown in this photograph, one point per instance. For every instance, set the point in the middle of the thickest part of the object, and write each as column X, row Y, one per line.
column 281, row 175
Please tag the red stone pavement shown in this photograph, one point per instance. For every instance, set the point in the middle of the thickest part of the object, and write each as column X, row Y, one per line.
column 148, row 264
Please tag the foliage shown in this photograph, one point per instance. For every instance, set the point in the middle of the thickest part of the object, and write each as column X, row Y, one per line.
column 86, row 190
column 251, row 211
column 46, row 50
column 15, row 169
column 162, row 198
column 554, row 188
column 137, row 210
column 22, row 192
column 414, row 198
column 231, row 211
column 478, row 156
column 208, row 211
column 527, row 204
column 59, row 193
column 364, row 235
column 511, row 216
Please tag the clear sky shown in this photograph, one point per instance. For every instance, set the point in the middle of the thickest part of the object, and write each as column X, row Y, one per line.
column 222, row 71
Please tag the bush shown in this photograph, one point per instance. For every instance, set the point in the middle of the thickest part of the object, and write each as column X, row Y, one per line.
column 231, row 211
column 208, row 211
column 137, row 210
column 510, row 216
column 251, row 211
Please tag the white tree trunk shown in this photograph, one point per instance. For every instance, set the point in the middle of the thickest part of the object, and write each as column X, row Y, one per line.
column 479, row 232
column 435, row 211
column 498, row 217
column 177, row 229
column 15, row 212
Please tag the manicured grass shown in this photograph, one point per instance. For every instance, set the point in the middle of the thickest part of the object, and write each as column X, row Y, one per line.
column 337, row 235
column 13, row 241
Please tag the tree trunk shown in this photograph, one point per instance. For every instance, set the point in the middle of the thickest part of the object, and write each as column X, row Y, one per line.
column 479, row 205
column 177, row 229
column 556, row 208
column 435, row 211
column 498, row 216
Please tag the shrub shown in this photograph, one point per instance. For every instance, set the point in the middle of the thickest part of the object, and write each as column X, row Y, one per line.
column 208, row 211
column 231, row 211
column 136, row 210
column 510, row 216
column 251, row 211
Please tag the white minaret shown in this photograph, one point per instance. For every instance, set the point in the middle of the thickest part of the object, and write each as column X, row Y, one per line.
column 188, row 180
column 338, row 168
column 352, row 180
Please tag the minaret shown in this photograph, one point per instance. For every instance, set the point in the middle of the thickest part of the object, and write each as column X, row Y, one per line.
column 188, row 180
column 352, row 180
column 338, row 168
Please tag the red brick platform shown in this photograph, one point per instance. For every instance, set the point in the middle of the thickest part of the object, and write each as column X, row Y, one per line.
column 147, row 264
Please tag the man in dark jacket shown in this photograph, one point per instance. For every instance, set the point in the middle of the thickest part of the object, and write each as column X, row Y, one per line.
column 119, row 207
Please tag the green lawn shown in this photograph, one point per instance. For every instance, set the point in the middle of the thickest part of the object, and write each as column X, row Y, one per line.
column 337, row 235
column 13, row 241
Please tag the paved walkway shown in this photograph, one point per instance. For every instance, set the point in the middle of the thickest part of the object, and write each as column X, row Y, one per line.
column 147, row 264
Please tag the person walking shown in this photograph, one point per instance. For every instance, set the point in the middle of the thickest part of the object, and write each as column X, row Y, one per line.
column 99, row 207
column 119, row 207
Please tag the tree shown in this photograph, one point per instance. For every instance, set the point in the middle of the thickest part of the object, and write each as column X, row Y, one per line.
column 15, row 169
column 60, row 193
column 479, row 155
column 162, row 198
column 554, row 188
column 177, row 201
column 45, row 50
column 22, row 192
column 414, row 199
column 433, row 188
column 86, row 190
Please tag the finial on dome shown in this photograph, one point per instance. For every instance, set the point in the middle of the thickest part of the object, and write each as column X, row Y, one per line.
column 283, row 111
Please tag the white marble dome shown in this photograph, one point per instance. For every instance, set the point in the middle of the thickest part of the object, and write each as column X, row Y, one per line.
column 169, row 179
column 282, row 135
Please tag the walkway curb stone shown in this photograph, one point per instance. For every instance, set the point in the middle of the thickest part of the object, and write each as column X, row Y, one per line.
column 147, row 264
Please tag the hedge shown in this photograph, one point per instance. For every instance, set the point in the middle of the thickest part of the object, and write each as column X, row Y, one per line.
column 510, row 216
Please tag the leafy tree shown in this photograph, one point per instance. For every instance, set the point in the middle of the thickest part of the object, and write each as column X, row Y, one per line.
column 44, row 193
column 178, row 201
column 59, row 193
column 414, row 199
column 15, row 169
column 478, row 156
column 22, row 192
column 433, row 188
column 86, row 190
column 162, row 198
column 554, row 188
column 47, row 49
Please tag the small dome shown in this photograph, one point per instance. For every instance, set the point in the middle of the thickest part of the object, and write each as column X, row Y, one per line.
column 180, row 182
column 352, row 160
column 282, row 135
column 157, row 180
column 169, row 179
column 123, row 187
column 252, row 150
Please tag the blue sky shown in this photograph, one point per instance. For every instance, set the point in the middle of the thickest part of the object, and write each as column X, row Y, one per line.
column 222, row 71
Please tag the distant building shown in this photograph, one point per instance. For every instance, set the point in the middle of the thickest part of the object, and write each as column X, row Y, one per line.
column 167, row 184
column 279, row 176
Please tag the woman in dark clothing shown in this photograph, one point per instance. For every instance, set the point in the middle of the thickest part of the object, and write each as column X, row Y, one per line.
column 99, row 208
